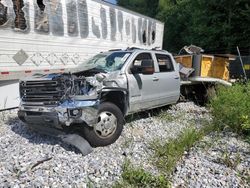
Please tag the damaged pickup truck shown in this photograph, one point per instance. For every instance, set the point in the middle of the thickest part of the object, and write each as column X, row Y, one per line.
column 94, row 98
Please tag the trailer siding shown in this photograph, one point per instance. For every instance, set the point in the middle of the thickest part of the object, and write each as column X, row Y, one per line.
column 67, row 32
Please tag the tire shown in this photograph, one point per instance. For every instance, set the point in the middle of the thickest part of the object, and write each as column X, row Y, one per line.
column 108, row 128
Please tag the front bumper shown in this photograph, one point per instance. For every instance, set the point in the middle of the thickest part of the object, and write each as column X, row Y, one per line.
column 67, row 113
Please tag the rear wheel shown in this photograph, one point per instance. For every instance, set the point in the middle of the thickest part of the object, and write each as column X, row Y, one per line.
column 108, row 128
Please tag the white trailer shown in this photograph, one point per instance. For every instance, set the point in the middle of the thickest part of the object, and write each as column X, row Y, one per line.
column 45, row 36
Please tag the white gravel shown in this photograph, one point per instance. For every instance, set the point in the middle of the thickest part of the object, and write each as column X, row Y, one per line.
column 21, row 149
column 219, row 160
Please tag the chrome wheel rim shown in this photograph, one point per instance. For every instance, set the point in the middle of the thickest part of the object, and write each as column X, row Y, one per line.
column 106, row 125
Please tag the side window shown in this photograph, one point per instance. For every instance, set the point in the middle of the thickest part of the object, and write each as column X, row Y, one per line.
column 165, row 63
column 138, row 60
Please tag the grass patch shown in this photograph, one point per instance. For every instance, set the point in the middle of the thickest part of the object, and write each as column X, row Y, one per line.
column 165, row 158
column 164, row 115
column 166, row 155
column 137, row 177
column 231, row 108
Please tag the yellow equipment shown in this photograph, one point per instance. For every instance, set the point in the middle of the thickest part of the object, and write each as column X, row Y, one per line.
column 206, row 66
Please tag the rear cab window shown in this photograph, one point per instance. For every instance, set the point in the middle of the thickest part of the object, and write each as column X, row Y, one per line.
column 165, row 63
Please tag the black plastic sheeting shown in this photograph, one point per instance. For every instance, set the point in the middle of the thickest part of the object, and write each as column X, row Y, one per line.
column 73, row 29
column 3, row 14
column 120, row 23
column 112, row 14
column 95, row 29
column 236, row 70
column 104, row 23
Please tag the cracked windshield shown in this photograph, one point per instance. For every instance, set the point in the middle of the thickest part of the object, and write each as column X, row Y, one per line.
column 105, row 62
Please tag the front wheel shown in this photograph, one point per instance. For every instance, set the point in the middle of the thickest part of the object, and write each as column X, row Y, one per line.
column 108, row 128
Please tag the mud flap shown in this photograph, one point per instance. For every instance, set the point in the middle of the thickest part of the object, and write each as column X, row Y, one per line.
column 77, row 141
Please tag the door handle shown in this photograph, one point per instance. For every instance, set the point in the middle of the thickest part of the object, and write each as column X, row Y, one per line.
column 177, row 78
column 155, row 79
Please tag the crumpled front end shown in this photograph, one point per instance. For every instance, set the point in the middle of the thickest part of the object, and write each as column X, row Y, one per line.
column 59, row 100
column 66, row 114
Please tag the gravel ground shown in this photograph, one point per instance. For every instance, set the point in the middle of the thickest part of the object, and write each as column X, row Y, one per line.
column 29, row 159
column 219, row 160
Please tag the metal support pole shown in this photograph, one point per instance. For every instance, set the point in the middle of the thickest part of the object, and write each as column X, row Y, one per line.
column 242, row 65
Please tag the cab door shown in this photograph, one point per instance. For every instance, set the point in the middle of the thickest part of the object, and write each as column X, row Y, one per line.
column 142, row 87
column 168, row 79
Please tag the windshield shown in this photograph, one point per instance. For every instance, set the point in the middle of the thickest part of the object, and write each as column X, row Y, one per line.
column 106, row 62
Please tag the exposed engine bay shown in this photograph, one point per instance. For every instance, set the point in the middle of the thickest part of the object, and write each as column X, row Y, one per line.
column 85, row 84
column 74, row 85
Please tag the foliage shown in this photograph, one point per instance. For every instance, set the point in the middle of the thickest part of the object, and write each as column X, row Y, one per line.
column 216, row 26
column 166, row 155
column 164, row 115
column 136, row 177
column 231, row 107
column 149, row 7
column 176, row 16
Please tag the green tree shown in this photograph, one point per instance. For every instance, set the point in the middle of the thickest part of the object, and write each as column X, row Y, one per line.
column 149, row 7
column 218, row 26
column 176, row 16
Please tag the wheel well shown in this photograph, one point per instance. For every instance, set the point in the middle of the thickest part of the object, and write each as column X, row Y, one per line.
column 118, row 98
column 198, row 93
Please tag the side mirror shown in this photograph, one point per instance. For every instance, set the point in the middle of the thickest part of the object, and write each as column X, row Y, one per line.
column 147, row 66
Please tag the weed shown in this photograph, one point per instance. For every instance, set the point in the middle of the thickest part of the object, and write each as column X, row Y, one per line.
column 247, row 139
column 237, row 160
column 230, row 162
column 248, row 179
column 90, row 183
column 164, row 115
column 166, row 155
column 231, row 107
column 226, row 160
column 137, row 177
column 127, row 142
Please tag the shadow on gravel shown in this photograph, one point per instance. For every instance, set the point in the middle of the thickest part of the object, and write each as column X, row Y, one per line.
column 37, row 138
column 146, row 114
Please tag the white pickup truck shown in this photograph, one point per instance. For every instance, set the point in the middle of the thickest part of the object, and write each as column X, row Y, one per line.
column 95, row 97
